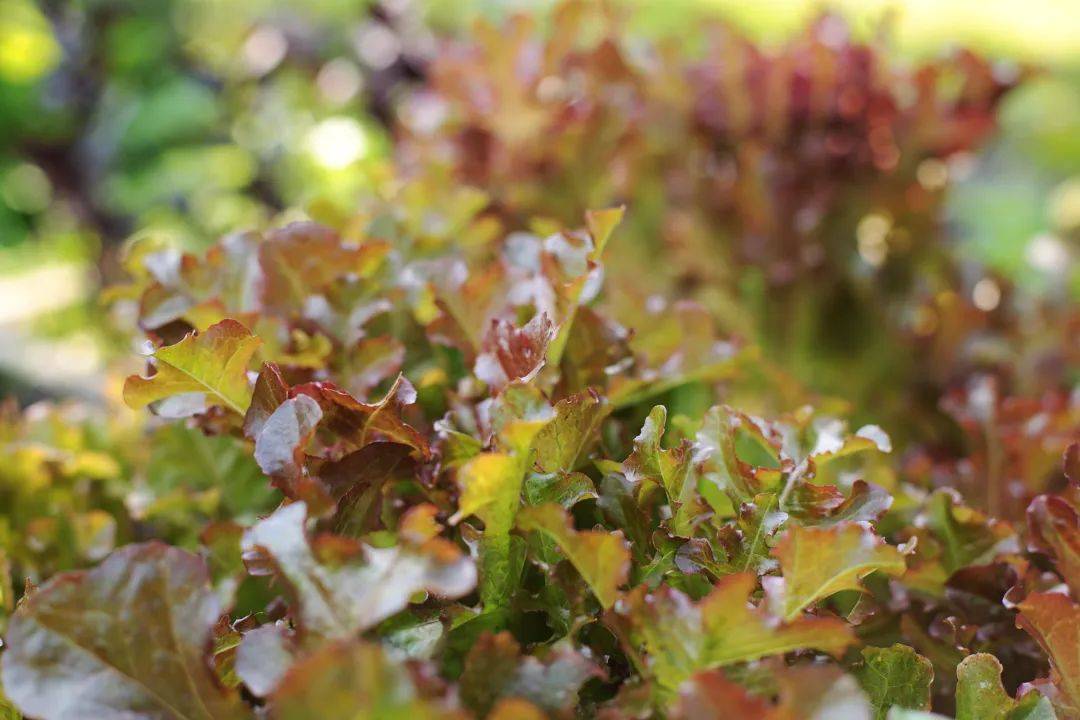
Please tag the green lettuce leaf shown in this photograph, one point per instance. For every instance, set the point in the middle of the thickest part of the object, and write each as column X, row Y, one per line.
column 980, row 695
column 818, row 562
column 602, row 557
column 895, row 676
column 683, row 637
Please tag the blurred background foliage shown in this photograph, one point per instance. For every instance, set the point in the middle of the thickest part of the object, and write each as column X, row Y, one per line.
column 182, row 120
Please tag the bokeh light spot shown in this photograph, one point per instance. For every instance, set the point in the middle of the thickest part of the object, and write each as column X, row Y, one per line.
column 339, row 81
column 264, row 50
column 28, row 49
column 337, row 142
column 986, row 295
column 932, row 174
column 871, row 236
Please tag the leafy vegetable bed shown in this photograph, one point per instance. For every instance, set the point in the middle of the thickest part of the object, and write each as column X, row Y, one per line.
column 444, row 457
column 522, row 531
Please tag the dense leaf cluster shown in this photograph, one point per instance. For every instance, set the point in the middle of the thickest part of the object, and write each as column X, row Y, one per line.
column 454, row 456
column 521, row 531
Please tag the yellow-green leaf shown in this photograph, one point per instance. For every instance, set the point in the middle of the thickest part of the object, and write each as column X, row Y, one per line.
column 561, row 443
column 820, row 561
column 723, row 628
column 601, row 224
column 602, row 557
column 214, row 363
column 981, row 696
column 491, row 490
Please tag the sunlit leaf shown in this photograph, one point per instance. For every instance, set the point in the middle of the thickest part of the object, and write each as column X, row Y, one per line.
column 566, row 489
column 601, row 224
column 716, row 449
column 518, row 414
column 491, row 490
column 674, row 469
column 562, row 443
column 213, row 364
column 600, row 556
column 865, row 502
column 683, row 637
column 818, row 562
column 270, row 391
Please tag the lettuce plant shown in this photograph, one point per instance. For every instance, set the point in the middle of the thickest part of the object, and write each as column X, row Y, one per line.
column 475, row 495
column 476, row 451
